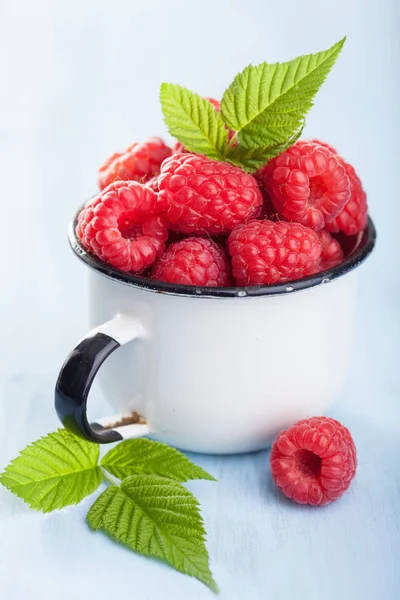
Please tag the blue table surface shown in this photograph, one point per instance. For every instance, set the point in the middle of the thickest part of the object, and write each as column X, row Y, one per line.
column 52, row 138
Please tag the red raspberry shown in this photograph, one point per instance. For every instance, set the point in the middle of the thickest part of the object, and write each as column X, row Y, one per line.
column 266, row 252
column 139, row 162
column 201, row 195
column 332, row 253
column 178, row 148
column 325, row 145
column 354, row 216
column 194, row 261
column 314, row 461
column 152, row 184
column 215, row 103
column 268, row 211
column 307, row 183
column 121, row 226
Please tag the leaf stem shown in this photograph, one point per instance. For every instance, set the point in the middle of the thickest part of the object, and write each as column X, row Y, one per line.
column 110, row 478
column 231, row 143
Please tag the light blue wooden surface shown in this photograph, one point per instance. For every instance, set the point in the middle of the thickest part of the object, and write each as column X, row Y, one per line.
column 78, row 81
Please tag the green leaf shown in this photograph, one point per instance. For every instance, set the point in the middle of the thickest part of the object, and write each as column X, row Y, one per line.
column 134, row 457
column 193, row 120
column 266, row 104
column 251, row 159
column 55, row 471
column 156, row 517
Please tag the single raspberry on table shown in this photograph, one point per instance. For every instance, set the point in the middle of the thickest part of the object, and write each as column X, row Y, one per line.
column 354, row 216
column 332, row 253
column 194, row 261
column 139, row 162
column 265, row 252
column 201, row 195
column 307, row 183
column 314, row 461
column 123, row 227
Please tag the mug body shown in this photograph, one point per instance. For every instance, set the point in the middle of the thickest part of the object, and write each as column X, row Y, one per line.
column 226, row 374
column 213, row 370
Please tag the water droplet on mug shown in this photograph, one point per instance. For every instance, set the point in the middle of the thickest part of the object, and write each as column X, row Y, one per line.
column 289, row 288
column 325, row 280
column 241, row 294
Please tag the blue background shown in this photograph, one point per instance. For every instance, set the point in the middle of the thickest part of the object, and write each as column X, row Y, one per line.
column 80, row 80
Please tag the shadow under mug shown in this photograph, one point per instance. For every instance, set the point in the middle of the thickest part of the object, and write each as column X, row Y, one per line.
column 212, row 370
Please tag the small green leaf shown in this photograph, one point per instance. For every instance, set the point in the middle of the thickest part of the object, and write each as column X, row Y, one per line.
column 55, row 471
column 193, row 120
column 156, row 517
column 251, row 159
column 266, row 104
column 134, row 457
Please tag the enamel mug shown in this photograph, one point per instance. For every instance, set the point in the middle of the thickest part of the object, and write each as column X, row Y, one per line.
column 213, row 370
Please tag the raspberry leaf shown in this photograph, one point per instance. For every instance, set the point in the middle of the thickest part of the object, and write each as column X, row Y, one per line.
column 156, row 517
column 251, row 159
column 135, row 457
column 55, row 471
column 193, row 120
column 266, row 104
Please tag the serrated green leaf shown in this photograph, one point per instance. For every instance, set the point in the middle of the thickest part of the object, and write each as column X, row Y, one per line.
column 251, row 159
column 156, row 517
column 266, row 104
column 134, row 457
column 55, row 471
column 193, row 120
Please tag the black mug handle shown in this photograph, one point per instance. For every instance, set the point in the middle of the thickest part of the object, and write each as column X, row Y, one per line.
column 77, row 375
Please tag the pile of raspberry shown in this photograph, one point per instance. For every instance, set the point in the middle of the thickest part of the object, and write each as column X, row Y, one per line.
column 186, row 219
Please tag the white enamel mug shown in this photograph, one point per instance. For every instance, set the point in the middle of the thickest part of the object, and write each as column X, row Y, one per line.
column 213, row 370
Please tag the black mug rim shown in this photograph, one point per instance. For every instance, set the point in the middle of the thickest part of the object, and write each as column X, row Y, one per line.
column 352, row 261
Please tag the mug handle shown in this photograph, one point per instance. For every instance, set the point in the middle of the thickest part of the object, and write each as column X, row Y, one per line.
column 77, row 375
